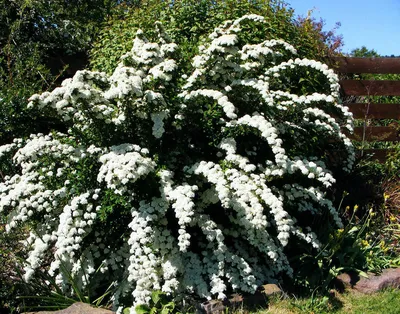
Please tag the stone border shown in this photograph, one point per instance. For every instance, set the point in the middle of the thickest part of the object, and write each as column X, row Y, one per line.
column 389, row 278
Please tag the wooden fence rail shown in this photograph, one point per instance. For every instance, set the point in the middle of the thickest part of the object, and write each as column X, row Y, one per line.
column 363, row 91
column 367, row 65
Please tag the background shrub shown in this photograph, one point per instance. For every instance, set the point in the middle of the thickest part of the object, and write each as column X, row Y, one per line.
column 41, row 43
column 189, row 23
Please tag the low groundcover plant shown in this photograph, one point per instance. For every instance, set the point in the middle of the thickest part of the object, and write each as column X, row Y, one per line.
column 181, row 182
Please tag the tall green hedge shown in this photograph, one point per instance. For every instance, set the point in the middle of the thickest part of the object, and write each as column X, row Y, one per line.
column 190, row 21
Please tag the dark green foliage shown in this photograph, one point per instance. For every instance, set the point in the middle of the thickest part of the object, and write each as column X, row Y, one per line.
column 363, row 52
column 188, row 22
column 42, row 42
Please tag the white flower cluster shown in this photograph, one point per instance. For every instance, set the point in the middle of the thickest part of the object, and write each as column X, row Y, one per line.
column 124, row 163
column 6, row 149
column 210, row 208
column 93, row 98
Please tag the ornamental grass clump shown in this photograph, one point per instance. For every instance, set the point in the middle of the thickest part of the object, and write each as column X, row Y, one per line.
column 198, row 182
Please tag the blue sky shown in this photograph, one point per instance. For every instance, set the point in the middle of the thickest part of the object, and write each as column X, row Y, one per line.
column 371, row 23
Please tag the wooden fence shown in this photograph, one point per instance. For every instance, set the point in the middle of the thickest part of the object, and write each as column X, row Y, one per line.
column 359, row 94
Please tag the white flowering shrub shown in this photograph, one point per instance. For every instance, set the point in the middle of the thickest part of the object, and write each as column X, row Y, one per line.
column 196, row 182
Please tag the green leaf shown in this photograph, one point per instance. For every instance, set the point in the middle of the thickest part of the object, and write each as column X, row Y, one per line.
column 165, row 311
column 153, row 310
column 142, row 309
column 353, row 230
column 156, row 296
column 168, row 308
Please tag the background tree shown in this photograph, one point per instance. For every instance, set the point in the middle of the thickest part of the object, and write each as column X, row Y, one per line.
column 364, row 52
column 189, row 22
column 42, row 42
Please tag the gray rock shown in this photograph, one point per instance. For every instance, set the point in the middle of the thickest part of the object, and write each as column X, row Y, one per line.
column 390, row 278
column 345, row 281
column 76, row 308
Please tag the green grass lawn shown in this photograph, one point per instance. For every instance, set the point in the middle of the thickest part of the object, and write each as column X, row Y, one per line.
column 386, row 302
